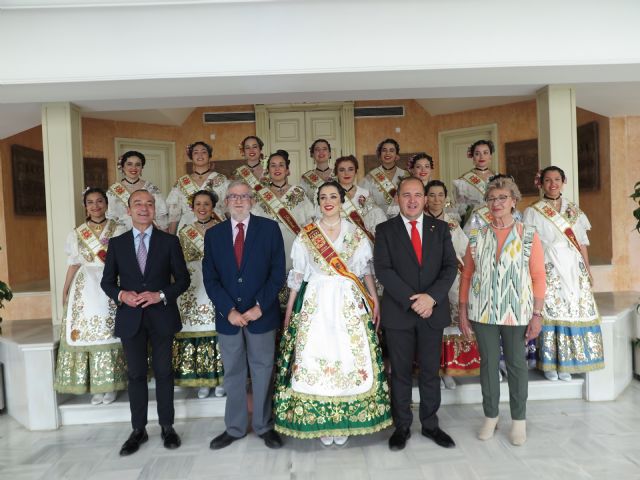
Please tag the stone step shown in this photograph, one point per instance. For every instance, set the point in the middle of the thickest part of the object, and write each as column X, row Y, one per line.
column 77, row 409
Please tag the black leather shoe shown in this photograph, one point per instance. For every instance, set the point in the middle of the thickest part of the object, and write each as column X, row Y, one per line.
column 137, row 438
column 170, row 438
column 398, row 440
column 222, row 440
column 440, row 437
column 272, row 439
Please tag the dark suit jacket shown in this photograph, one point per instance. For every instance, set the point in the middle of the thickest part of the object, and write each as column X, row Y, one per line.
column 258, row 280
column 121, row 272
column 397, row 268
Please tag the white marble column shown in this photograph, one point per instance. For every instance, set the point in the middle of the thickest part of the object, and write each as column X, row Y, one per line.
column 64, row 179
column 557, row 133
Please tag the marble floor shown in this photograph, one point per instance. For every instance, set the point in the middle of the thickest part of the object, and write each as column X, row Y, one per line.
column 567, row 439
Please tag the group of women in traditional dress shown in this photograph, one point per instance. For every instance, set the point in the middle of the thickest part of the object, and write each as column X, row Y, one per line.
column 330, row 379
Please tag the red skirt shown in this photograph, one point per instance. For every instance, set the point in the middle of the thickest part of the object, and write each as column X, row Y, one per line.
column 459, row 357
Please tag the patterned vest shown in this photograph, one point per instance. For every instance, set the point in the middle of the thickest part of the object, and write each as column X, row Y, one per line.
column 501, row 292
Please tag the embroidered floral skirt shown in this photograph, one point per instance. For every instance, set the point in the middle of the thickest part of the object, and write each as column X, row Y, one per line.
column 196, row 360
column 329, row 373
column 570, row 347
column 91, row 369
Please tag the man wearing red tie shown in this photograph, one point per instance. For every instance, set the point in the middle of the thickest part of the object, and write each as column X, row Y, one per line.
column 415, row 262
column 243, row 270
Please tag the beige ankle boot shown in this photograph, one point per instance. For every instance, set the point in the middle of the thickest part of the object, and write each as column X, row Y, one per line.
column 518, row 432
column 488, row 427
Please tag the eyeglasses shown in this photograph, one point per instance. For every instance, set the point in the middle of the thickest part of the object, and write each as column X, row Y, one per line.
column 242, row 196
column 499, row 199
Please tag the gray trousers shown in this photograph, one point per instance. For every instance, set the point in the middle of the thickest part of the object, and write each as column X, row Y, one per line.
column 513, row 342
column 257, row 350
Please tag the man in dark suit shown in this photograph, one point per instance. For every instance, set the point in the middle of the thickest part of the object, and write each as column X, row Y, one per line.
column 415, row 261
column 243, row 270
column 138, row 275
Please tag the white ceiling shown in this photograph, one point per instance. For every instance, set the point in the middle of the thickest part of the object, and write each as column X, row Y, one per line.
column 155, row 60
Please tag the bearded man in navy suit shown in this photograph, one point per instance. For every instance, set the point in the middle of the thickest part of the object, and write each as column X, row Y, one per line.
column 243, row 270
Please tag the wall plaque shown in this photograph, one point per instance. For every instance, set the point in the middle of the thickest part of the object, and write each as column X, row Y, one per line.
column 28, row 181
column 522, row 164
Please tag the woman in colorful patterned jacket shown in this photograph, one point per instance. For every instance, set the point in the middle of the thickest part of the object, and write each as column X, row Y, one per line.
column 501, row 297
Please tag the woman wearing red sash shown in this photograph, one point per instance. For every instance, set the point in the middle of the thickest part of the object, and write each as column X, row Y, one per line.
column 469, row 189
column 203, row 177
column 251, row 150
column 286, row 204
column 420, row 166
column 196, row 357
column 357, row 198
column 320, row 151
column 90, row 357
column 131, row 165
column 460, row 357
column 382, row 181
column 330, row 382
column 571, row 338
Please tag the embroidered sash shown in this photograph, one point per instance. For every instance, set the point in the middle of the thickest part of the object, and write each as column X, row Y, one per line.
column 119, row 191
column 188, row 188
column 194, row 237
column 559, row 221
column 354, row 216
column 484, row 214
column 276, row 208
column 326, row 251
column 248, row 176
column 384, row 184
column 475, row 181
column 92, row 242
column 313, row 179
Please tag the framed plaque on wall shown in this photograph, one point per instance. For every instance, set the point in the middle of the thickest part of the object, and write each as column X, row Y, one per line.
column 588, row 157
column 95, row 173
column 522, row 164
column 28, row 181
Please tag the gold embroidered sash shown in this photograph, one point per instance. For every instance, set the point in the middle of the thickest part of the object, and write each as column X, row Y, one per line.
column 327, row 252
column 384, row 184
column 484, row 214
column 354, row 216
column 313, row 179
column 475, row 181
column 194, row 237
column 121, row 192
column 92, row 242
column 275, row 206
column 189, row 189
column 559, row 221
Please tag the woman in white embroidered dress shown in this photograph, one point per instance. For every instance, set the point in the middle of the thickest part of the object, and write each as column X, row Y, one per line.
column 460, row 357
column 203, row 177
column 131, row 165
column 90, row 358
column 290, row 197
column 330, row 381
column 196, row 356
column 382, row 181
column 320, row 151
column 571, row 338
column 346, row 169
column 469, row 189
column 251, row 150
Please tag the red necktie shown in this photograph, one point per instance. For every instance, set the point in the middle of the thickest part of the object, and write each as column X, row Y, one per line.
column 415, row 240
column 238, row 244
